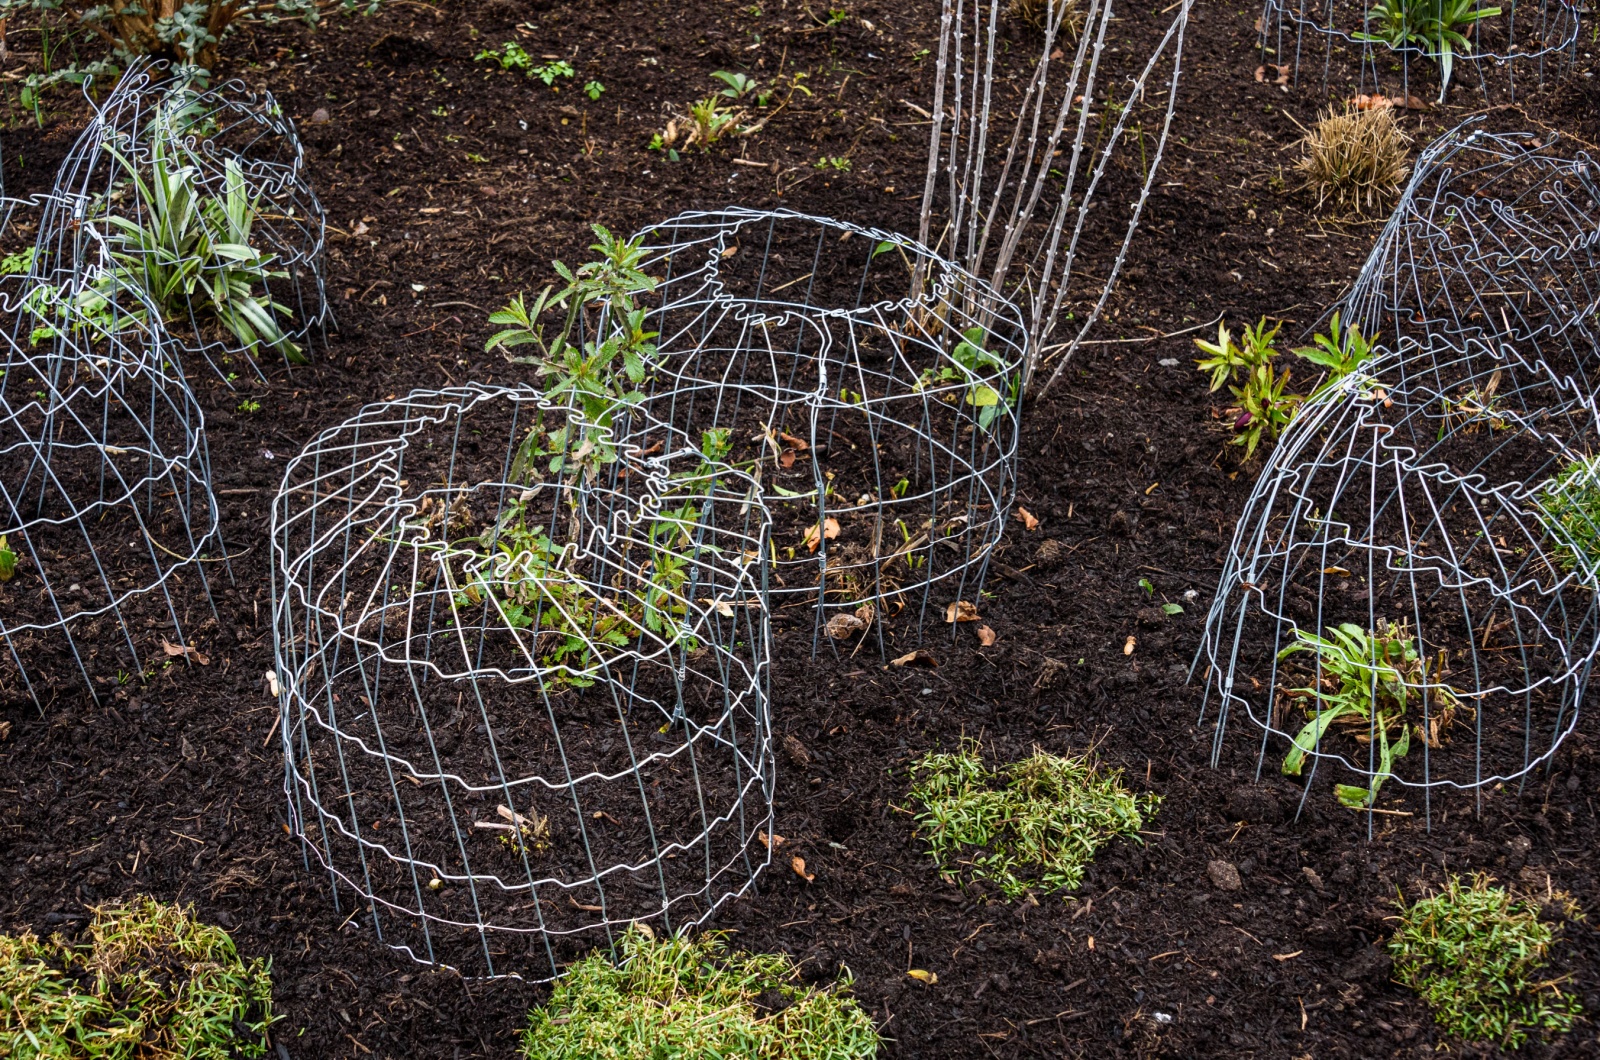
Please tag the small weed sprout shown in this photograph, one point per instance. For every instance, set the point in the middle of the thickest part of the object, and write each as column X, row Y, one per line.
column 693, row 998
column 833, row 162
column 1340, row 352
column 1365, row 682
column 550, row 71
column 1264, row 406
column 1477, row 956
column 1067, row 15
column 739, row 85
column 1045, row 813
column 152, row 982
column 593, row 89
column 509, row 55
column 1569, row 507
column 1354, row 158
column 972, row 363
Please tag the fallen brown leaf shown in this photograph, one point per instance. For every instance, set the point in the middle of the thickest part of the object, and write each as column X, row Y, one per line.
column 174, row 650
column 1029, row 520
column 786, row 458
column 800, row 444
column 771, row 842
column 916, row 658
column 798, row 863
column 830, row 528
column 5, row 730
column 961, row 611
column 986, row 636
column 1127, row 649
column 923, row 976
column 1280, row 74
column 843, row 625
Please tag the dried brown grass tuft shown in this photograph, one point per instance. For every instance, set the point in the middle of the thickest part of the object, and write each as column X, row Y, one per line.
column 1036, row 12
column 1354, row 158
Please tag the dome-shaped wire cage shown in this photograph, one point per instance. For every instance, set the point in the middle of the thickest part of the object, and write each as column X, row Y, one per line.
column 871, row 387
column 523, row 681
column 194, row 205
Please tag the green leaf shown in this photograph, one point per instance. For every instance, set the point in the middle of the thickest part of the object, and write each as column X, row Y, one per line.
column 1172, row 609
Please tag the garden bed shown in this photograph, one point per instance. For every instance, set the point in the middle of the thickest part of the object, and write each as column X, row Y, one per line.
column 174, row 787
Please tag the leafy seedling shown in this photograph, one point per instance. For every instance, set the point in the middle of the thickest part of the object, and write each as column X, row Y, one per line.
column 1433, row 27
column 1340, row 353
column 739, row 85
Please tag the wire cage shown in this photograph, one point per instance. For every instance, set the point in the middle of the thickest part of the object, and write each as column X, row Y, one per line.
column 880, row 418
column 1442, row 544
column 198, row 199
column 524, row 697
column 1493, row 242
column 108, row 518
column 1502, row 47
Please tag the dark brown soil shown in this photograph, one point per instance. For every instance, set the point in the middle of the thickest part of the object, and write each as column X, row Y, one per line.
column 174, row 786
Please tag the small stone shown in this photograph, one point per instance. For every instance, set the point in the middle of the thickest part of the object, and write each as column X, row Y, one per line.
column 320, row 116
column 1168, row 362
column 1224, row 875
column 796, row 751
column 1312, row 878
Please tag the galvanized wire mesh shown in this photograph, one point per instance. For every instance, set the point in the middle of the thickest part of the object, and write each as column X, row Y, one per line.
column 1518, row 47
column 1447, row 489
column 881, row 426
column 105, row 498
column 521, row 707
column 194, row 206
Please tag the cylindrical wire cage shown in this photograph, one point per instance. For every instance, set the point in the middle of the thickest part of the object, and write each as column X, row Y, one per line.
column 880, row 419
column 106, row 505
column 521, row 706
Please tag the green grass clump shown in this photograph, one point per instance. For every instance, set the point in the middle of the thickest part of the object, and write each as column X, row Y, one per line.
column 1569, row 506
column 1045, row 812
column 1477, row 956
column 151, row 983
column 682, row 999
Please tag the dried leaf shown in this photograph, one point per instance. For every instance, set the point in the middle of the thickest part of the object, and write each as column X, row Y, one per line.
column 916, row 658
column 798, row 863
column 961, row 611
column 5, row 730
column 731, row 251
column 922, row 975
column 1287, row 956
column 772, row 842
column 830, row 528
column 174, row 650
column 843, row 625
column 812, row 539
column 1280, row 74
column 1029, row 520
column 786, row 458
column 800, row 444
column 986, row 636
column 1127, row 649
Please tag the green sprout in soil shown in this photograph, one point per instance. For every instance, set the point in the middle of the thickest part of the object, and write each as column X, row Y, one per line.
column 1364, row 682
column 1438, row 28
column 1477, row 956
column 1264, row 405
column 1569, row 507
column 1046, row 814
column 152, row 983
column 682, row 999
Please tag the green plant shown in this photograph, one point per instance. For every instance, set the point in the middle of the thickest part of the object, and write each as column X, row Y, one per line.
column 1477, row 956
column 188, row 32
column 1433, row 27
column 709, row 122
column 249, row 405
column 8, row 559
column 1365, row 682
column 682, row 999
column 550, row 71
column 836, row 15
column 833, row 162
column 1340, row 352
column 597, row 379
column 592, row 89
column 739, row 85
column 1045, row 812
column 971, row 363
column 1264, row 405
column 152, row 983
column 510, row 56
column 1568, row 504
column 18, row 263
column 1354, row 158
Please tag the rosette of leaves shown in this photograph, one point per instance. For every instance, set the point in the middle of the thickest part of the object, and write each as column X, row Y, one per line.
column 1569, row 507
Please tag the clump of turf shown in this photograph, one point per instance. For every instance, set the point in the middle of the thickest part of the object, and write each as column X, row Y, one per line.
column 151, row 983
column 1476, row 955
column 681, row 999
column 1046, row 814
column 1569, row 506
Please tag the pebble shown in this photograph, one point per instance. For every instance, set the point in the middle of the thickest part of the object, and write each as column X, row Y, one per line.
column 1224, row 875
column 320, row 116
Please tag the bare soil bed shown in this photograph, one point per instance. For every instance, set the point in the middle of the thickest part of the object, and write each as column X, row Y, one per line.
column 453, row 176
